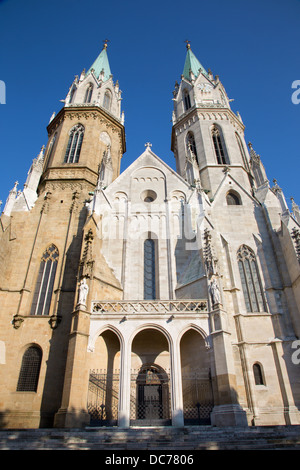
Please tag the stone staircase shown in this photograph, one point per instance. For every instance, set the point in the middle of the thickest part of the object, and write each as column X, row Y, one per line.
column 153, row 439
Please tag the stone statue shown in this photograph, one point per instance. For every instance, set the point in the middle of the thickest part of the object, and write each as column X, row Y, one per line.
column 83, row 292
column 215, row 292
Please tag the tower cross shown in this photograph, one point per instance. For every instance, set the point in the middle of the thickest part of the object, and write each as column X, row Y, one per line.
column 105, row 41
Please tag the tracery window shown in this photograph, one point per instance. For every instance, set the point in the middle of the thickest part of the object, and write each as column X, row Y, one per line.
column 149, row 270
column 45, row 282
column 251, row 283
column 74, row 144
column 88, row 94
column 219, row 146
column 107, row 100
column 187, row 100
column 233, row 199
column 30, row 370
column 191, row 144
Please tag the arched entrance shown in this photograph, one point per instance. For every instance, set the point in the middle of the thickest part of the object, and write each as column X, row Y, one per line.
column 152, row 393
column 104, row 380
column 150, row 381
column 196, row 379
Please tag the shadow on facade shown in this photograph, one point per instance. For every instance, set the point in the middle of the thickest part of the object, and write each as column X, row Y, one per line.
column 190, row 271
column 58, row 351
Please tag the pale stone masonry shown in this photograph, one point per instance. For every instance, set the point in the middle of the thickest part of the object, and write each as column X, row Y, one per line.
column 152, row 296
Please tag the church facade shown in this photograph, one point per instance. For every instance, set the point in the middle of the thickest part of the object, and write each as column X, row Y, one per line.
column 150, row 296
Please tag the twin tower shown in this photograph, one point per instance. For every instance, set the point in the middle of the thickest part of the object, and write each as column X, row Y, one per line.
column 150, row 296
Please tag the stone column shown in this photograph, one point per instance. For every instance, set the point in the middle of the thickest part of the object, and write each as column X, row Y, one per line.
column 73, row 411
column 124, row 392
column 176, row 386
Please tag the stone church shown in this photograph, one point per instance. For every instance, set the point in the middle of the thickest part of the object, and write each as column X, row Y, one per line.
column 151, row 296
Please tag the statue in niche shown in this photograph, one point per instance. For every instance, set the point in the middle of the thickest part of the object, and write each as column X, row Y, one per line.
column 214, row 292
column 83, row 292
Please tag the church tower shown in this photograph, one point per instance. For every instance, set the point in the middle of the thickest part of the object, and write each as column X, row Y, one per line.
column 42, row 240
column 247, row 234
column 207, row 136
column 88, row 132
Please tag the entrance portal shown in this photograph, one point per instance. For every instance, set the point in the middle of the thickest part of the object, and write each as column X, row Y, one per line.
column 150, row 381
column 150, row 397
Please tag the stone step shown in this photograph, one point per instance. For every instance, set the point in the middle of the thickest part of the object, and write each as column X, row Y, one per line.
column 188, row 438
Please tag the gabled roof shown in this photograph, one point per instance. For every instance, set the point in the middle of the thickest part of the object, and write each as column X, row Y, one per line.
column 147, row 158
column 192, row 64
column 101, row 63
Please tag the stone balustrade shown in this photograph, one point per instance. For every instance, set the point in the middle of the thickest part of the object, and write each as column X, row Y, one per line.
column 150, row 306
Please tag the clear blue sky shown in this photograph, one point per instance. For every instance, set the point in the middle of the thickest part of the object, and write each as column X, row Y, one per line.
column 252, row 45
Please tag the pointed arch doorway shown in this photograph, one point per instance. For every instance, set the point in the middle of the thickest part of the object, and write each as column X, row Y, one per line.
column 150, row 380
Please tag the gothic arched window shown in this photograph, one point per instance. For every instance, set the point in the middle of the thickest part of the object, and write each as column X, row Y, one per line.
column 191, row 144
column 187, row 100
column 149, row 270
column 251, row 283
column 51, row 147
column 258, row 374
column 233, row 199
column 30, row 370
column 45, row 282
column 72, row 94
column 88, row 94
column 107, row 100
column 74, row 144
column 219, row 146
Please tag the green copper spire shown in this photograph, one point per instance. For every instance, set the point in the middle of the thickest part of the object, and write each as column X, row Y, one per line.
column 101, row 63
column 191, row 64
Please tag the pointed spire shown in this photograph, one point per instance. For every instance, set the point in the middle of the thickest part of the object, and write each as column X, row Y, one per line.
column 101, row 64
column 192, row 64
column 10, row 201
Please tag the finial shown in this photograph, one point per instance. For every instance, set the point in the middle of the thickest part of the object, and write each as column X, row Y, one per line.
column 105, row 43
column 148, row 145
column 188, row 45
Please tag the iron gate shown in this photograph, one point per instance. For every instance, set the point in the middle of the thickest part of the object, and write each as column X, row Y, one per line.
column 198, row 399
column 150, row 397
column 103, row 398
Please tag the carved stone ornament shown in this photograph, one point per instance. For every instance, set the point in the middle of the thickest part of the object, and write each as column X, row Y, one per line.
column 87, row 261
column 214, row 292
column 210, row 259
column 296, row 238
column 17, row 321
column 54, row 321
column 83, row 292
